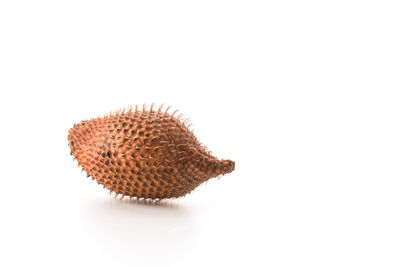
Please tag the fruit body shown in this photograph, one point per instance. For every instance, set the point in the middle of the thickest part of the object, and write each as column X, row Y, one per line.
column 144, row 154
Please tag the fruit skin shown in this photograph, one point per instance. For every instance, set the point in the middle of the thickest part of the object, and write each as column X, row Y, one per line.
column 143, row 153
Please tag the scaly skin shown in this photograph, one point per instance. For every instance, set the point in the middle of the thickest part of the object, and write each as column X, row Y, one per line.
column 144, row 154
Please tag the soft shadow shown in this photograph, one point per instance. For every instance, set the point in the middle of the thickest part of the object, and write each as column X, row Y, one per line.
column 137, row 225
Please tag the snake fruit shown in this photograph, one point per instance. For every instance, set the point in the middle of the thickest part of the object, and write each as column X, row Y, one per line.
column 144, row 153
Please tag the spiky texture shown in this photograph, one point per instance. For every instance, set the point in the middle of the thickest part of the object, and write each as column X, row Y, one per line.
column 148, row 154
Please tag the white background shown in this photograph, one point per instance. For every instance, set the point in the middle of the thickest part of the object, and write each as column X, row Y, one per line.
column 303, row 95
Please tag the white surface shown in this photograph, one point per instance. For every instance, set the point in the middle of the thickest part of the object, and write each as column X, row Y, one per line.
column 303, row 95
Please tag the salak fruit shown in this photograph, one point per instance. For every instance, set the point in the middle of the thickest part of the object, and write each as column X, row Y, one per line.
column 144, row 153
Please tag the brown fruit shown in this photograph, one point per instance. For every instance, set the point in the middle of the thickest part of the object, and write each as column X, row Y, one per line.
column 144, row 154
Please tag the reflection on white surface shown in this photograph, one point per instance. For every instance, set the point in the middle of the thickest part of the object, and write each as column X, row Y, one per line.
column 127, row 228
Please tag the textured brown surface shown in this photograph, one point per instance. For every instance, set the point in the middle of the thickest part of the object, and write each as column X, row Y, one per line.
column 144, row 153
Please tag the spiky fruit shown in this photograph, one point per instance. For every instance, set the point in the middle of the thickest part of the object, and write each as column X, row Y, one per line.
column 144, row 154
